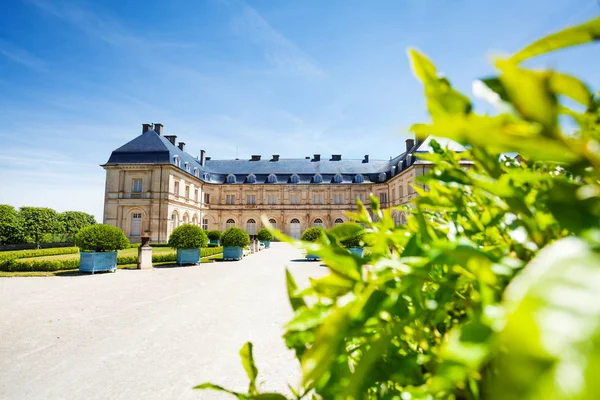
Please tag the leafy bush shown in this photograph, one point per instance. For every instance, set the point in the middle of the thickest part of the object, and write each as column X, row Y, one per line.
column 38, row 253
column 312, row 234
column 490, row 290
column 101, row 237
column 212, row 245
column 264, row 235
column 236, row 237
column 188, row 236
column 349, row 234
column 214, row 235
column 16, row 265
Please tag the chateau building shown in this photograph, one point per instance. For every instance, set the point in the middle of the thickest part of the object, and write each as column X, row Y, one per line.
column 153, row 185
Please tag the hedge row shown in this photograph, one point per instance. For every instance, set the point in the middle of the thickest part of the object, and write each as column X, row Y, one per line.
column 6, row 255
column 15, row 265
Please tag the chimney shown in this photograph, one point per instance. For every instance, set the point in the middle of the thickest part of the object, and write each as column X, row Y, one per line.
column 317, row 157
column 171, row 138
column 366, row 159
column 255, row 157
column 410, row 143
column 146, row 127
column 336, row 157
column 181, row 145
column 275, row 157
column 158, row 128
column 202, row 157
column 307, row 158
column 206, row 158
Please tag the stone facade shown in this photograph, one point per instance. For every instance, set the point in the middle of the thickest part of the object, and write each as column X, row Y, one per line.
column 152, row 198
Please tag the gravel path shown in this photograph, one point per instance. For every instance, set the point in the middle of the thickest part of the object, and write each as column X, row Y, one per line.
column 148, row 334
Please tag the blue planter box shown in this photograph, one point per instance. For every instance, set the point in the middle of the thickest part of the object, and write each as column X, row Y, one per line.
column 213, row 241
column 357, row 251
column 312, row 257
column 267, row 243
column 232, row 253
column 188, row 256
column 97, row 261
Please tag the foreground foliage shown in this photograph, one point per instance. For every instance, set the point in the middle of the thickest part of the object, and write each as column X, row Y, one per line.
column 491, row 289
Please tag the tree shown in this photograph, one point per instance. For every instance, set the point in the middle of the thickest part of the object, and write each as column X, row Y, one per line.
column 37, row 221
column 10, row 231
column 71, row 222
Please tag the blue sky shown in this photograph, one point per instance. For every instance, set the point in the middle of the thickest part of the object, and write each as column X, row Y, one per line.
column 78, row 78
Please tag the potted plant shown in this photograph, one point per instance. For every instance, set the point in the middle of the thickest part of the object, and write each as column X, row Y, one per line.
column 265, row 237
column 312, row 234
column 98, row 245
column 214, row 237
column 355, row 244
column 188, row 239
column 234, row 240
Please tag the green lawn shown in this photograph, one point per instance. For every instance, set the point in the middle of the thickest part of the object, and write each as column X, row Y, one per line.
column 133, row 252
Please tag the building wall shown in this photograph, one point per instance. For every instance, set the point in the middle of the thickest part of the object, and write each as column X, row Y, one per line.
column 170, row 197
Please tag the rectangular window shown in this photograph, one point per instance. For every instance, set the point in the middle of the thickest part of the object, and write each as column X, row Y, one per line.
column 137, row 186
column 206, row 198
column 401, row 189
column 205, row 224
column 230, row 199
column 271, row 199
column 382, row 198
column 196, row 194
column 338, row 198
column 176, row 189
column 251, row 199
column 187, row 192
column 361, row 197
column 318, row 198
column 294, row 198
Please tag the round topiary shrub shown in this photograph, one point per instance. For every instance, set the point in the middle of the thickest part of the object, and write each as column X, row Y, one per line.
column 312, row 234
column 353, row 241
column 264, row 235
column 214, row 235
column 101, row 237
column 188, row 237
column 235, row 237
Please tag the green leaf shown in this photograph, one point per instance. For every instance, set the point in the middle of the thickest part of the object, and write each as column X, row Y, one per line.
column 333, row 285
column 573, row 36
column 292, row 289
column 422, row 67
column 345, row 230
column 248, row 363
column 269, row 396
column 496, row 86
column 218, row 388
column 572, row 87
column 551, row 341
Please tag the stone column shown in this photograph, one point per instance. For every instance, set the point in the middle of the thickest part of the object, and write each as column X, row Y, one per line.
column 145, row 254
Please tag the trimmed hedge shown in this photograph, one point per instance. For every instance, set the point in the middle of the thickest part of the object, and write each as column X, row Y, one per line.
column 312, row 234
column 264, row 235
column 214, row 235
column 188, row 236
column 101, row 237
column 6, row 255
column 15, row 265
column 235, row 237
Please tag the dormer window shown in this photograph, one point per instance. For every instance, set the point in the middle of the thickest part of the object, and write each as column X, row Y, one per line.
column 251, row 178
column 317, row 179
column 196, row 173
column 359, row 179
column 295, row 179
column 230, row 178
column 272, row 178
column 206, row 177
column 187, row 166
column 176, row 161
column 337, row 178
column 382, row 177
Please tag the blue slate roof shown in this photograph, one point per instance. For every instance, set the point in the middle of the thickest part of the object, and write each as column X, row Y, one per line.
column 152, row 148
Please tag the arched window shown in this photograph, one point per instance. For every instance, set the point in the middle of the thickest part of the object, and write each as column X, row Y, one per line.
column 295, row 228
column 295, row 179
column 176, row 161
column 359, row 179
column 382, row 177
column 338, row 221
column 206, row 177
column 251, row 227
column 273, row 222
column 196, row 173
column 337, row 178
column 230, row 223
column 272, row 178
column 136, row 224
column 195, row 220
column 317, row 178
column 318, row 222
column 186, row 219
column 230, row 178
column 251, row 178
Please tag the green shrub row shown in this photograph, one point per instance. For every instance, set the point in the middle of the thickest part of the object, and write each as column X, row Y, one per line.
column 7, row 255
column 15, row 265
